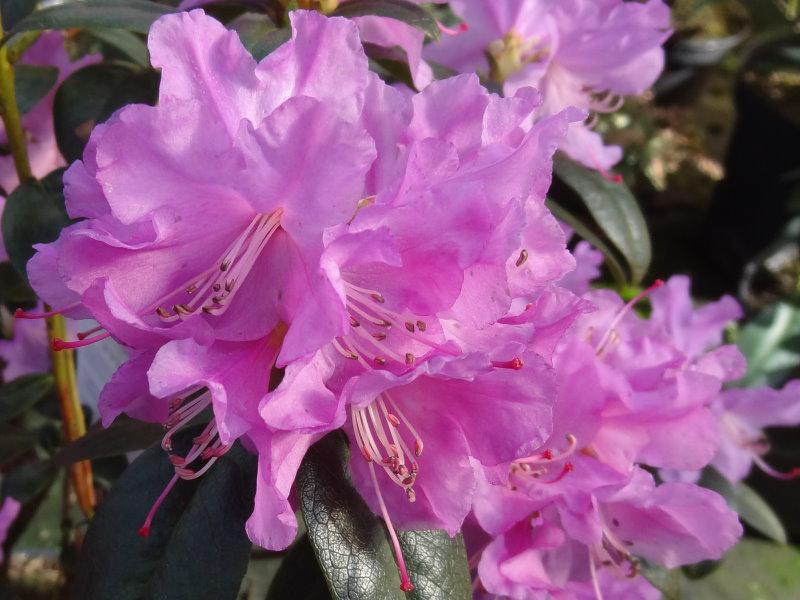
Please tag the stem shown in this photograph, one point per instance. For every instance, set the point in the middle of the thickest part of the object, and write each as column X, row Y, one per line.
column 63, row 362
column 10, row 114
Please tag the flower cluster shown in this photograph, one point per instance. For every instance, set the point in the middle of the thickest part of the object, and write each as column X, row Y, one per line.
column 301, row 247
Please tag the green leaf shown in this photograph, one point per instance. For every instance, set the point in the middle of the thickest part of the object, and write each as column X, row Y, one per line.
column 28, row 481
column 197, row 548
column 270, row 42
column 34, row 214
column 14, row 289
column 753, row 570
column 752, row 509
column 352, row 546
column 132, row 15
column 14, row 441
column 299, row 576
column 90, row 95
column 126, row 42
column 31, row 84
column 771, row 344
column 668, row 582
column 401, row 10
column 758, row 514
column 123, row 435
column 614, row 209
column 22, row 393
column 615, row 268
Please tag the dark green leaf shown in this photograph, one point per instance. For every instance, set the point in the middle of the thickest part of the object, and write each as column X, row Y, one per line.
column 614, row 266
column 90, row 95
column 299, row 576
column 438, row 564
column 15, row 10
column 14, row 442
column 13, row 288
column 123, row 435
column 614, row 209
column 31, row 84
column 394, row 9
column 665, row 581
column 28, row 481
column 133, row 15
column 197, row 548
column 126, row 42
column 771, row 344
column 351, row 544
column 753, row 570
column 752, row 509
column 34, row 214
column 22, row 393
column 270, row 41
column 701, row 569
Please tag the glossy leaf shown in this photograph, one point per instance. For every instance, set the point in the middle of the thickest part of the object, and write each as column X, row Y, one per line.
column 401, row 10
column 14, row 11
column 771, row 344
column 31, row 84
column 124, row 435
column 14, row 441
column 22, row 393
column 28, row 481
column 91, row 95
column 126, row 42
column 14, row 289
column 197, row 548
column 132, row 15
column 614, row 209
column 352, row 546
column 34, row 214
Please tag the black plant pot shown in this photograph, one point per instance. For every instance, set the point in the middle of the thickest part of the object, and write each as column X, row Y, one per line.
column 750, row 206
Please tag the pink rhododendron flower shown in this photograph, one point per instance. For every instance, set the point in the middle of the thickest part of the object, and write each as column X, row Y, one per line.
column 579, row 53
column 8, row 514
column 628, row 396
column 47, row 51
column 324, row 222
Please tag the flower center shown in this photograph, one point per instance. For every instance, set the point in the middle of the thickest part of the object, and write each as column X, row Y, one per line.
column 535, row 469
column 511, row 53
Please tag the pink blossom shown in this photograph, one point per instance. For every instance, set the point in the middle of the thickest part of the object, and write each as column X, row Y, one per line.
column 578, row 53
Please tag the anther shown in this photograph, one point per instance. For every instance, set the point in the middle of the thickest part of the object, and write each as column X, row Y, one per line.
column 378, row 298
column 225, row 265
column 418, row 447
column 393, row 419
column 410, row 358
column 421, row 325
column 515, row 364
column 380, row 361
column 163, row 312
column 379, row 336
column 354, row 322
column 216, row 287
column 410, row 326
column 412, row 497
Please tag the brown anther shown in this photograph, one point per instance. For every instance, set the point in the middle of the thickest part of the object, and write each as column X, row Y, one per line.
column 216, row 287
column 379, row 360
column 393, row 419
column 191, row 289
column 410, row 358
column 229, row 284
column 410, row 326
column 408, row 481
column 379, row 336
column 183, row 309
column 352, row 356
column 384, row 323
column 388, row 460
column 225, row 265
column 217, row 299
column 412, row 497
column 354, row 322
column 414, row 468
column 393, row 450
column 523, row 256
column 403, row 471
column 418, row 447
column 615, row 522
column 162, row 312
column 378, row 298
column 421, row 325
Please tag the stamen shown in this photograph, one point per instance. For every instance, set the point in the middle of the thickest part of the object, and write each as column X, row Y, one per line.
column 84, row 334
column 58, row 344
column 548, row 456
column 405, row 582
column 793, row 473
column 21, row 314
column 144, row 530
column 459, row 29
column 595, row 580
column 658, row 283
